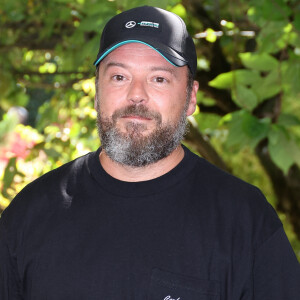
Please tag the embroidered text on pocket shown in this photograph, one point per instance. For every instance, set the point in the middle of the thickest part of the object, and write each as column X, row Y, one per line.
column 169, row 286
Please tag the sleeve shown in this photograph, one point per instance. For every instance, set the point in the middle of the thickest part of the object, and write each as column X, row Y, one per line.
column 9, row 283
column 276, row 270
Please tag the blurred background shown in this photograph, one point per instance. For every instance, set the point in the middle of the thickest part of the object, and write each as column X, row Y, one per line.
column 248, row 116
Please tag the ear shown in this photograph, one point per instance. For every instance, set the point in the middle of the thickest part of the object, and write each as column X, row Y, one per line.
column 96, row 98
column 193, row 101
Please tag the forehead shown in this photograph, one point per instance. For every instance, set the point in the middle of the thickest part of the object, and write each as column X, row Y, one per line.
column 136, row 54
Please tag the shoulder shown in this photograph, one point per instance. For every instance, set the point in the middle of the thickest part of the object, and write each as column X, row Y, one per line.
column 218, row 180
column 234, row 202
column 222, row 184
column 54, row 179
column 47, row 193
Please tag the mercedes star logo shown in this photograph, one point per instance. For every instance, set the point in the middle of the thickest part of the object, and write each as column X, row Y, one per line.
column 130, row 24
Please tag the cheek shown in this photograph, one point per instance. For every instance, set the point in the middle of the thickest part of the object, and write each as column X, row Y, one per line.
column 110, row 100
column 174, row 107
column 171, row 113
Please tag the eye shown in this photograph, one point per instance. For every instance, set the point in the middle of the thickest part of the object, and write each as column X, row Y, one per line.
column 160, row 79
column 118, row 77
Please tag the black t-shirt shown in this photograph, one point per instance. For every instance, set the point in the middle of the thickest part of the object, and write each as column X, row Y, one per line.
column 193, row 233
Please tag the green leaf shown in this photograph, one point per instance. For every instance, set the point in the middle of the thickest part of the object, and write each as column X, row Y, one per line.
column 254, row 128
column 264, row 11
column 246, row 130
column 7, row 125
column 19, row 97
column 91, row 23
column 244, row 97
column 179, row 10
column 127, row 4
column 288, row 120
column 61, row 1
column 259, row 62
column 230, row 79
column 210, row 35
column 283, row 150
column 297, row 22
column 103, row 11
column 269, row 36
column 6, row 83
column 222, row 81
column 9, row 174
column 52, row 153
column 268, row 86
column 291, row 75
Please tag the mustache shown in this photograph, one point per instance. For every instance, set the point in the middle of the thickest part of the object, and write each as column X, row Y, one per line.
column 137, row 110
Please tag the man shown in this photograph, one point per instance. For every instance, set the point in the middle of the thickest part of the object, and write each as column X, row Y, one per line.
column 143, row 217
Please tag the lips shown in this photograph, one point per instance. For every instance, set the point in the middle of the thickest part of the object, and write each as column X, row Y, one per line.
column 137, row 117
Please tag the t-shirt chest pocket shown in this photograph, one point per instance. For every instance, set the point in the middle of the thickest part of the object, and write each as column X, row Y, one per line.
column 168, row 286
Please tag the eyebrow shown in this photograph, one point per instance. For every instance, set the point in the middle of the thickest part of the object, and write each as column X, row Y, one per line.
column 115, row 64
column 166, row 69
column 125, row 66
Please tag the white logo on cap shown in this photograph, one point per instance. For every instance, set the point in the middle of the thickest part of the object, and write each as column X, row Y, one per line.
column 130, row 24
column 149, row 24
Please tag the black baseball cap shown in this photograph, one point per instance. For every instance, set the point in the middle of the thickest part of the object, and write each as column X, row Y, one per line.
column 157, row 28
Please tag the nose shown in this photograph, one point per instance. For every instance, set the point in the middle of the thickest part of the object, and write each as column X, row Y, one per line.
column 137, row 92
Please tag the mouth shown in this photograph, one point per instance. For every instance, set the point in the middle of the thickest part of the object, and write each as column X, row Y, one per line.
column 136, row 117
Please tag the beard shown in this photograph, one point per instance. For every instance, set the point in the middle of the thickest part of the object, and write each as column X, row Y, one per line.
column 132, row 148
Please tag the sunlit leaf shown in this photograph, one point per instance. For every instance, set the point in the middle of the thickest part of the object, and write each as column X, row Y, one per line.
column 260, row 62
column 179, row 10
column 230, row 79
column 7, row 125
column 210, row 35
column 270, row 35
column 10, row 172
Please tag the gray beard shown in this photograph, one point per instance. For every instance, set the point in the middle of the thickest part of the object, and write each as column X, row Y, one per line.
column 132, row 148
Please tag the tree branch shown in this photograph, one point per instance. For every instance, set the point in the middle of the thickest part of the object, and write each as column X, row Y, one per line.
column 198, row 142
column 22, row 73
column 214, row 109
column 286, row 187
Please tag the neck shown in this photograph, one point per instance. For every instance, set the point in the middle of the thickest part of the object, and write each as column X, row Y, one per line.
column 135, row 174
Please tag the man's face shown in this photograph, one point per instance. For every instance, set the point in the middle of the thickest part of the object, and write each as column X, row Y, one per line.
column 141, row 104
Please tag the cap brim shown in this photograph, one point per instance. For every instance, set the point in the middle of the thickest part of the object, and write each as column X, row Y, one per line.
column 167, row 53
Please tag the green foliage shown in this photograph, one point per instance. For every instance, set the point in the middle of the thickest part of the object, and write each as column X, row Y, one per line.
column 263, row 75
column 10, row 172
column 244, row 97
column 230, row 79
column 283, row 149
column 7, row 125
column 259, row 61
column 245, row 129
